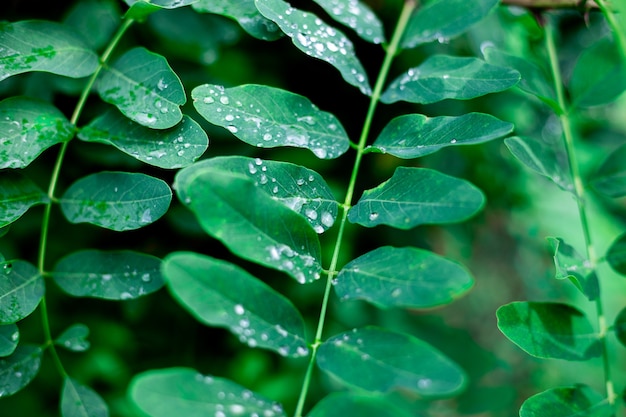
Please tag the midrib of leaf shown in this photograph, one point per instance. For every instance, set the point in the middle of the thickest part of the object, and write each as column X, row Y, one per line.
column 21, row 286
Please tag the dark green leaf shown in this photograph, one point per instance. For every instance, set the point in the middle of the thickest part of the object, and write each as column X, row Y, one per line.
column 27, row 128
column 95, row 20
column 21, row 289
column 17, row 195
column 415, row 135
column 268, row 117
column 78, row 400
column 118, row 275
column 116, row 200
column 610, row 179
column 142, row 85
column 549, row 330
column 9, row 338
column 35, row 45
column 191, row 394
column 578, row 400
column 171, row 148
column 140, row 9
column 342, row 404
column 358, row 16
column 441, row 77
column 317, row 39
column 616, row 255
column 620, row 326
column 74, row 338
column 425, row 279
column 415, row 196
column 17, row 370
column 569, row 264
column 379, row 360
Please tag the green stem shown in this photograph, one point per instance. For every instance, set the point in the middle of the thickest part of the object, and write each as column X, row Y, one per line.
column 579, row 191
column 391, row 51
column 618, row 33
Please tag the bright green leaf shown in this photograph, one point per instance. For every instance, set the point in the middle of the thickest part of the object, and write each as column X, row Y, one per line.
column 610, row 179
column 78, row 400
column 142, row 85
column 35, row 45
column 379, row 360
column 27, row 128
column 620, row 326
column 342, row 404
column 578, row 400
column 219, row 293
column 74, row 338
column 114, row 275
column 415, row 135
column 95, row 20
column 616, row 255
column 191, row 394
column 441, row 77
column 425, row 279
column 116, row 200
column 358, row 16
column 571, row 265
column 140, row 9
column 21, row 290
column 171, row 148
column 317, row 39
column 9, row 338
column 549, row 330
column 17, row 370
column 415, row 196
column 268, row 117
column 17, row 195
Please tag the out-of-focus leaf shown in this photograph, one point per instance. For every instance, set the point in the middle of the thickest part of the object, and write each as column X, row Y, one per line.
column 620, row 326
column 17, row 195
column 9, row 338
column 610, row 179
column 21, row 290
column 140, row 9
column 571, row 265
column 579, row 400
column 358, row 16
column 341, row 404
column 74, row 338
column 78, row 400
column 19, row 369
column 95, row 20
column 616, row 255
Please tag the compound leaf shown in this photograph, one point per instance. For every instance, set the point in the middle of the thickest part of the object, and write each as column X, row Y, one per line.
column 356, row 15
column 74, row 338
column 9, row 338
column 579, row 400
column 78, row 400
column 610, row 179
column 18, row 369
column 21, row 290
column 571, row 265
column 17, row 195
column 340, row 404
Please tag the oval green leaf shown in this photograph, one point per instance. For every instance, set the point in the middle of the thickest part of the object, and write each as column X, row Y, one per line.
column 356, row 15
column 95, row 21
column 268, row 117
column 171, row 148
column 549, row 330
column 27, row 128
column 116, row 275
column 610, row 179
column 318, row 40
column 17, row 195
column 579, row 400
column 378, row 360
column 21, row 290
column 569, row 264
column 74, row 338
column 17, row 370
column 341, row 404
column 116, row 200
column 414, row 135
column 414, row 196
column 620, row 326
column 192, row 394
column 441, row 77
column 425, row 279
column 144, row 88
column 35, row 45
column 78, row 400
column 140, row 9
column 9, row 338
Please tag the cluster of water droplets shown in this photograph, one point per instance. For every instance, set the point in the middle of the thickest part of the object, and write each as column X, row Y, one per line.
column 132, row 281
column 300, row 265
column 358, row 17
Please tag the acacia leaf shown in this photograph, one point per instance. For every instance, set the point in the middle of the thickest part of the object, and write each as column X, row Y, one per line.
column 116, row 200
column 78, row 400
column 140, row 9
column 579, row 400
column 341, row 404
column 9, row 338
column 21, row 290
column 358, row 16
column 571, row 265
column 74, row 338
column 19, row 369
column 17, row 195
column 610, row 179
column 616, row 255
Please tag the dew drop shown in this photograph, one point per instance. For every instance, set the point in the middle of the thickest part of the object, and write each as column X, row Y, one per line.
column 239, row 309
column 453, row 141
column 229, row 117
column 107, row 277
column 208, row 100
column 145, row 277
column 300, row 181
column 281, row 330
column 126, row 296
column 327, row 219
column 373, row 216
column 224, row 100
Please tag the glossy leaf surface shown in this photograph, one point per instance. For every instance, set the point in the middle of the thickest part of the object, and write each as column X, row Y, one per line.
column 114, row 275
column 140, row 9
column 549, row 330
column 579, row 400
column 440, row 77
column 571, row 265
column 27, row 128
column 616, row 255
column 415, row 135
column 144, row 88
column 192, row 394
column 425, row 279
column 17, row 370
column 219, row 293
column 116, row 200
column 9, row 338
column 171, row 148
column 358, row 16
column 341, row 404
column 78, row 400
column 379, row 360
column 74, row 338
column 610, row 179
column 35, row 45
column 17, row 195
column 415, row 196
column 317, row 39
column 268, row 117
column 21, row 290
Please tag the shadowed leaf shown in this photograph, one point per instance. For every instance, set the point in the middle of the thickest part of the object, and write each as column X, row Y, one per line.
column 21, row 290
column 78, row 400
column 17, row 195
column 579, row 400
column 358, row 16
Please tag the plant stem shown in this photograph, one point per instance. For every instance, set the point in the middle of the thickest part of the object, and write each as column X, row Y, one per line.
column 579, row 192
column 618, row 32
column 391, row 51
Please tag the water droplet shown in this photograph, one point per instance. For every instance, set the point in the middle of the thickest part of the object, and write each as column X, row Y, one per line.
column 311, row 214
column 281, row 330
column 126, row 296
column 283, row 350
column 373, row 216
column 229, row 117
column 424, row 383
column 145, row 118
column 320, row 152
column 107, row 277
column 145, row 277
column 208, row 100
column 224, row 100
column 300, row 181
column 327, row 219
column 396, row 292
column 245, row 323
column 302, row 351
column 232, row 129
column 267, row 136
column 15, row 336
column 318, row 229
column 161, row 85
column 239, row 309
column 146, row 217
column 157, row 154
column 453, row 141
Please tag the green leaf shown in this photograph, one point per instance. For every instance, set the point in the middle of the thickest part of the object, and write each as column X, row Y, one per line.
column 116, row 200
column 442, row 20
column 144, row 88
column 21, row 289
column 249, row 221
column 549, row 330
column 441, row 77
column 34, row 45
column 78, row 400
column 140, row 9
column 620, row 326
column 378, row 360
column 74, row 338
column 17, row 370
column 414, row 135
column 356, row 15
column 341, row 404
column 569, row 264
column 9, row 338
column 219, row 293
column 244, row 12
column 95, row 20
column 27, row 128
column 114, row 275
column 192, row 394
column 268, row 117
column 579, row 400
column 317, row 39
column 171, row 148
column 610, row 179
column 17, row 195
column 415, row 196
column 425, row 279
